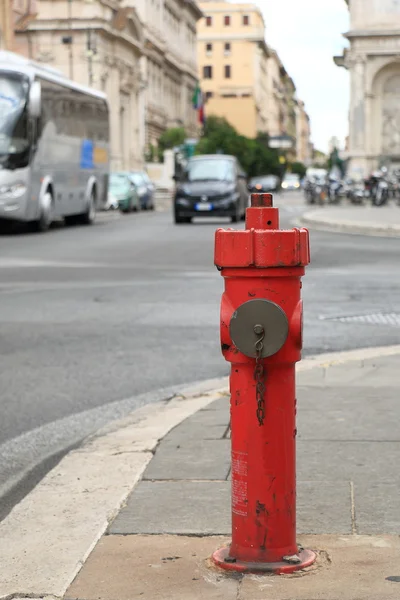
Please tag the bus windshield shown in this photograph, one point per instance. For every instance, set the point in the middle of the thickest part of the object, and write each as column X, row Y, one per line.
column 13, row 118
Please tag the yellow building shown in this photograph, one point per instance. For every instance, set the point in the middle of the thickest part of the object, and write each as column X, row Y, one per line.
column 233, row 64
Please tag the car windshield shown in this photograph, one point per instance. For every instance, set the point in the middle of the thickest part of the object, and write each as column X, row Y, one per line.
column 292, row 177
column 210, row 170
column 118, row 182
column 136, row 178
column 13, row 117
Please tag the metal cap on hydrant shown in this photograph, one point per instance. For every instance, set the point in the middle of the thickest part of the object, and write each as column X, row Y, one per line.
column 261, row 336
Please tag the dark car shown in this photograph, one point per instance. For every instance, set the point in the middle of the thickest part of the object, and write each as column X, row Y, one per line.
column 211, row 186
column 144, row 191
column 264, row 183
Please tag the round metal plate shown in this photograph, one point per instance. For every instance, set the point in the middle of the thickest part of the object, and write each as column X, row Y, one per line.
column 259, row 312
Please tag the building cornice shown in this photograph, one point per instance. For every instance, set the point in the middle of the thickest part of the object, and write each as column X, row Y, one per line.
column 82, row 26
column 372, row 33
column 194, row 7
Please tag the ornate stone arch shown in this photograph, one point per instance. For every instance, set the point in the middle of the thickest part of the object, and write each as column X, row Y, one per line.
column 135, row 27
column 385, row 114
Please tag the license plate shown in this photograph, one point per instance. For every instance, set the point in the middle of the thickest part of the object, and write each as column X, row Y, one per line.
column 204, row 206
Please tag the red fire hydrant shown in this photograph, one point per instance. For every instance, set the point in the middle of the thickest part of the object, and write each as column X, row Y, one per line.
column 261, row 335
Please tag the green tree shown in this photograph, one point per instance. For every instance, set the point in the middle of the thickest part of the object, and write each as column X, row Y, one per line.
column 253, row 154
column 299, row 168
column 171, row 138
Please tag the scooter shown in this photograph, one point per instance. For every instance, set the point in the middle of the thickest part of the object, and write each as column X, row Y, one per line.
column 380, row 194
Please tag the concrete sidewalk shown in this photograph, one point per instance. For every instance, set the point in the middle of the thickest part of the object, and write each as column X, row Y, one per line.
column 177, row 511
column 367, row 220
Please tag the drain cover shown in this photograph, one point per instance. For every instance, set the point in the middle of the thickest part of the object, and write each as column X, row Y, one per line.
column 390, row 319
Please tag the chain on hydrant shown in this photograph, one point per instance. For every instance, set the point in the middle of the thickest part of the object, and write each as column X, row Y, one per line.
column 259, row 374
column 261, row 335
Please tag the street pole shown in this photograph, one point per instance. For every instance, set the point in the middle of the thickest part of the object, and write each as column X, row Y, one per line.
column 70, row 46
column 90, row 57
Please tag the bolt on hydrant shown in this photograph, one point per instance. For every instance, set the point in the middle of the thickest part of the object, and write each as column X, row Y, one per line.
column 261, row 336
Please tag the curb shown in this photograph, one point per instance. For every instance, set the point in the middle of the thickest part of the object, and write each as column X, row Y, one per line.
column 59, row 523
column 350, row 227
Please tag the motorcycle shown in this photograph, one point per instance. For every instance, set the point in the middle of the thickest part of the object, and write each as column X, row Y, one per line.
column 381, row 193
column 334, row 191
column 357, row 193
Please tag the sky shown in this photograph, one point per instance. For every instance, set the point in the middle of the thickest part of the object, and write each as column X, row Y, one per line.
column 307, row 35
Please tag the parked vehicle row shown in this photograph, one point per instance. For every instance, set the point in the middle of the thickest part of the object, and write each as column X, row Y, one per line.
column 378, row 189
column 130, row 191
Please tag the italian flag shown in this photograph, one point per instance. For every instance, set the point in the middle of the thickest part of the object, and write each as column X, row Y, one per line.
column 198, row 104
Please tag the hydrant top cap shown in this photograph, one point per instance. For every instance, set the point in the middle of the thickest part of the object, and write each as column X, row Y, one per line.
column 261, row 200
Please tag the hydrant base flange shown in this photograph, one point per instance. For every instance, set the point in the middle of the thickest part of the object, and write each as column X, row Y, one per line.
column 223, row 560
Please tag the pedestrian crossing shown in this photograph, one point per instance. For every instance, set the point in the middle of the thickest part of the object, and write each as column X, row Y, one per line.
column 390, row 319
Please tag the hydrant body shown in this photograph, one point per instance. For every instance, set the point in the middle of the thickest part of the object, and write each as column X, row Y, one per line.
column 261, row 336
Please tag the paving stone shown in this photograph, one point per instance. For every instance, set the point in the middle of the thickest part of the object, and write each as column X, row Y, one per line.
column 177, row 507
column 324, row 507
column 351, row 461
column 152, row 568
column 220, row 404
column 348, row 568
column 327, row 413
column 208, row 417
column 195, row 459
column 184, row 432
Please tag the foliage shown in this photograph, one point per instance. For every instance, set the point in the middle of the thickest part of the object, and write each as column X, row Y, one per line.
column 253, row 154
column 171, row 138
column 320, row 159
column 299, row 168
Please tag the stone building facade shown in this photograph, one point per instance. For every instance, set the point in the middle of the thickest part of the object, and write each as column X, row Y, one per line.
column 141, row 53
column 304, row 149
column 169, row 64
column 374, row 65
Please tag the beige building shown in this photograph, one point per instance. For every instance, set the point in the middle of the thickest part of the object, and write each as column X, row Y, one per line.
column 373, row 62
column 244, row 80
column 141, row 53
column 233, row 58
column 304, row 149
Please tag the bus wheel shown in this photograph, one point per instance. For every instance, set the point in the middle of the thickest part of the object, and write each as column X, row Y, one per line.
column 44, row 221
column 89, row 216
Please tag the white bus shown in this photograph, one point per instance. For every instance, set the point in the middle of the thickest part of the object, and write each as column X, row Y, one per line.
column 54, row 145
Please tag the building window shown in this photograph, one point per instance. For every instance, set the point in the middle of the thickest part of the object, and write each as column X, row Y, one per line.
column 209, row 49
column 228, row 71
column 227, row 20
column 246, row 20
column 209, row 95
column 207, row 72
column 227, row 49
column 209, row 21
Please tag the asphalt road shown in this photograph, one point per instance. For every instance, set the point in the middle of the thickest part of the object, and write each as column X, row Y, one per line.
column 95, row 320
